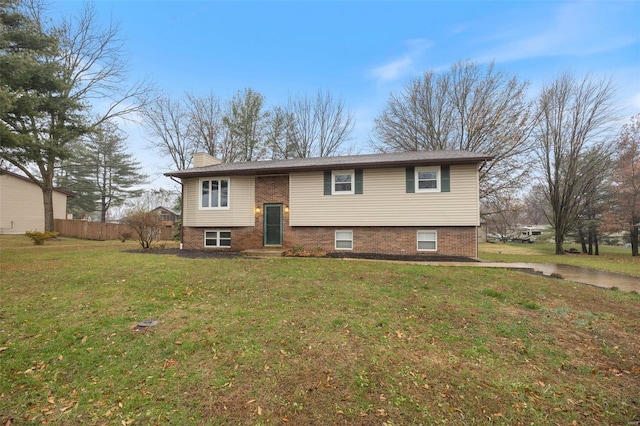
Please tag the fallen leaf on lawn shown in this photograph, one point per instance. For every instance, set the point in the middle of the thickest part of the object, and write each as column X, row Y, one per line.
column 63, row 409
column 4, row 348
column 259, row 410
column 51, row 400
column 84, row 340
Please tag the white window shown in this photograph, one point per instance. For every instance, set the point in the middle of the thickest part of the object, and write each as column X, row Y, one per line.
column 219, row 239
column 344, row 240
column 342, row 182
column 214, row 193
column 427, row 240
column 427, row 179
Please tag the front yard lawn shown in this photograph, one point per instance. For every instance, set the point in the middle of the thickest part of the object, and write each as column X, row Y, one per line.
column 304, row 341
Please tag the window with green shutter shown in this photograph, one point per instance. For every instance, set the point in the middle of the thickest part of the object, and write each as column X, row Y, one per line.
column 428, row 179
column 340, row 182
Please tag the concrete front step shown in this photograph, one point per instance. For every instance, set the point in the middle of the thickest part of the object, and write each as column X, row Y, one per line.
column 263, row 253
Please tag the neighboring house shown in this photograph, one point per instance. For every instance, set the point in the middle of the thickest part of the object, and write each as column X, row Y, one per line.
column 412, row 203
column 169, row 217
column 22, row 205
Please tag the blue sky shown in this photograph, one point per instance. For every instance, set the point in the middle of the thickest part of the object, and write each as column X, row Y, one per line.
column 363, row 51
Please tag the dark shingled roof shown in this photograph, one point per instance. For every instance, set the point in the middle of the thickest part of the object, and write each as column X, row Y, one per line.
column 399, row 159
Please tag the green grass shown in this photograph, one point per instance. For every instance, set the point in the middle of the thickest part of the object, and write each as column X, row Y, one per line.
column 611, row 259
column 304, row 341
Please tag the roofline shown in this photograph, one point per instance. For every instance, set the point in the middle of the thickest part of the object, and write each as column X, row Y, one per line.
column 262, row 167
column 26, row 179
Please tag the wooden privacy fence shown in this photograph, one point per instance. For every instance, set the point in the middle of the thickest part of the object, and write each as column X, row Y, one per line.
column 99, row 230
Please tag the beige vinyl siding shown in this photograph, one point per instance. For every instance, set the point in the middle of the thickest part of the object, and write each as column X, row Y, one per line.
column 241, row 204
column 22, row 206
column 384, row 201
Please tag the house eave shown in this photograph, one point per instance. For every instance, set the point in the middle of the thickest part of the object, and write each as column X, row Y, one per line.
column 257, row 168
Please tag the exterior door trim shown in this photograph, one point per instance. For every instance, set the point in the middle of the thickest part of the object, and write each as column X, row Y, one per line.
column 272, row 230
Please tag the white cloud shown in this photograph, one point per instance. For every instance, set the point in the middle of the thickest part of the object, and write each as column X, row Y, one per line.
column 399, row 67
column 576, row 28
column 393, row 70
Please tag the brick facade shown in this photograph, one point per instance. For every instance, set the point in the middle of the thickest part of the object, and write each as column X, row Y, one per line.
column 452, row 241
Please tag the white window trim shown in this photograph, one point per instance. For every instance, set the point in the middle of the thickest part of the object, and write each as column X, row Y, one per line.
column 336, row 239
column 351, row 172
column 428, row 169
column 217, row 231
column 418, row 240
column 200, row 193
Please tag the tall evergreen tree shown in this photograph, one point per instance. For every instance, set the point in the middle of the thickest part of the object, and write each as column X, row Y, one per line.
column 102, row 173
column 245, row 120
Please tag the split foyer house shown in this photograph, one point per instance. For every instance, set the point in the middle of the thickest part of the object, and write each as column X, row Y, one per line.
column 410, row 203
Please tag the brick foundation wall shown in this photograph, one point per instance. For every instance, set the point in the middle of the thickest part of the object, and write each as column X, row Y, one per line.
column 452, row 241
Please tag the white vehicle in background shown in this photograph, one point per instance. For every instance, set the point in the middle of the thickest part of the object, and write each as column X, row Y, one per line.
column 528, row 234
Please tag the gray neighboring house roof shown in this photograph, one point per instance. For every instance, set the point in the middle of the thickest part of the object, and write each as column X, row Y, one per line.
column 399, row 159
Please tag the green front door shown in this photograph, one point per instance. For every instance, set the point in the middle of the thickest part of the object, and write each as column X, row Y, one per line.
column 273, row 224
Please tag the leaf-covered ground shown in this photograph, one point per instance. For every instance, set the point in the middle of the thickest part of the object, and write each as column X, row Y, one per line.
column 304, row 341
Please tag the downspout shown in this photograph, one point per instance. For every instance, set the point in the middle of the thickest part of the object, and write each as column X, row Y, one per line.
column 181, row 210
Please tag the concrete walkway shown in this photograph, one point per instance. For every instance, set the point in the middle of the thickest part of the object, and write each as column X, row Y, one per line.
column 567, row 272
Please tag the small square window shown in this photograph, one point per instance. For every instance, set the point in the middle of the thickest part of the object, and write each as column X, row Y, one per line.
column 427, row 179
column 343, row 182
column 217, row 239
column 344, row 240
column 427, row 240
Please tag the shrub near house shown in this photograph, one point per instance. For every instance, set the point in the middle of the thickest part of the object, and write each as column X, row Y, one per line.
column 413, row 203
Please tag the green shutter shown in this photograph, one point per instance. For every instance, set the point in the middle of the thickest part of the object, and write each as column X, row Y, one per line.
column 411, row 177
column 327, row 182
column 358, row 187
column 445, row 179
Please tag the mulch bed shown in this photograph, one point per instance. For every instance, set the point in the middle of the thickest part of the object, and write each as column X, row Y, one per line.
column 206, row 254
column 402, row 257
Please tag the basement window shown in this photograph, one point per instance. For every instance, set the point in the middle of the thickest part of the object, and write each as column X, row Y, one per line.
column 427, row 240
column 217, row 239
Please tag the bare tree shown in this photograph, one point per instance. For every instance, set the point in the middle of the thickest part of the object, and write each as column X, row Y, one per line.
column 168, row 124
column 206, row 129
column 470, row 107
column 146, row 225
column 596, row 198
column 627, row 178
column 320, row 126
column 574, row 120
column 503, row 215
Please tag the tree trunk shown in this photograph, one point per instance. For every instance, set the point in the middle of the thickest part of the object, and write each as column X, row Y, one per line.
column 47, row 197
column 634, row 238
column 591, row 242
column 559, row 247
column 595, row 242
column 583, row 243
